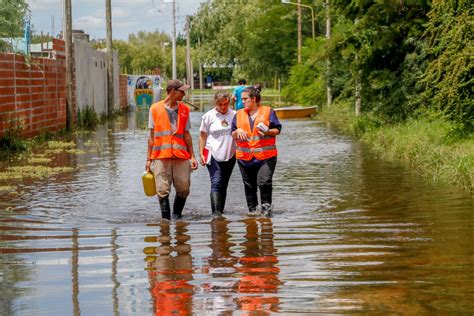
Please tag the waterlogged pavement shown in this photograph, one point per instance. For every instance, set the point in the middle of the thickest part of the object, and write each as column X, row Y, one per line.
column 349, row 234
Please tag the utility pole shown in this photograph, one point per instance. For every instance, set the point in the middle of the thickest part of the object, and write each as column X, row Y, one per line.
column 110, row 59
column 200, row 67
column 68, row 39
column 299, row 31
column 173, row 44
column 189, row 66
column 328, row 36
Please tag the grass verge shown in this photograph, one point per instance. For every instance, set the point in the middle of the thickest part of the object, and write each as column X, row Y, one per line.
column 431, row 147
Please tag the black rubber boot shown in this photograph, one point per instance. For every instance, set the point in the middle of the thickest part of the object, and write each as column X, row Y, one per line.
column 178, row 206
column 252, row 201
column 165, row 208
column 266, row 198
column 216, row 203
column 223, row 198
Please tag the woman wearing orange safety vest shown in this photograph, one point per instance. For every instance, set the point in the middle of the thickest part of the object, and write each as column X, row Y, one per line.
column 254, row 129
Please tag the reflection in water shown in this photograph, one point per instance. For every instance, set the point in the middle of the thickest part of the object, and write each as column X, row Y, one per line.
column 170, row 269
column 259, row 268
column 116, row 283
column 75, row 271
column 221, row 268
column 354, row 234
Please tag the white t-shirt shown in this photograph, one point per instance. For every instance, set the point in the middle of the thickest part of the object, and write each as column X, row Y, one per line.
column 218, row 128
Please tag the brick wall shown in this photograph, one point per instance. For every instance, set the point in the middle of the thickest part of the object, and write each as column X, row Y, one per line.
column 123, row 96
column 32, row 94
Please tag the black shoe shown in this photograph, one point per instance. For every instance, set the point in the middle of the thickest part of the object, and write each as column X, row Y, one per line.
column 165, row 208
column 178, row 206
column 217, row 203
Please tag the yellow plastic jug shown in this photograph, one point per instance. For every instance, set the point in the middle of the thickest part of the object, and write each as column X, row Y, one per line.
column 149, row 183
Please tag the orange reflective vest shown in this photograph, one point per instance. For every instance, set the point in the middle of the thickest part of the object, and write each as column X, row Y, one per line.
column 166, row 143
column 260, row 147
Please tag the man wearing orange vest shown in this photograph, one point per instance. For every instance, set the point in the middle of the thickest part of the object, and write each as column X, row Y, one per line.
column 170, row 148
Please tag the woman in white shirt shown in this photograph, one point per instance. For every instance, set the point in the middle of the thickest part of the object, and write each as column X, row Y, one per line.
column 217, row 148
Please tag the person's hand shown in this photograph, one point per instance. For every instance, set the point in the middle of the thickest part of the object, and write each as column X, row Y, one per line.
column 147, row 165
column 241, row 135
column 203, row 160
column 194, row 164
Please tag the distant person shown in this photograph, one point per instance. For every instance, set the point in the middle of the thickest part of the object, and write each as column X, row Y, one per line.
column 255, row 129
column 170, row 148
column 236, row 95
column 217, row 148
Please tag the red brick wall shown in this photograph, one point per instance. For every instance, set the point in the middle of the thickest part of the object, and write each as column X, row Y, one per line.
column 32, row 95
column 59, row 46
column 123, row 96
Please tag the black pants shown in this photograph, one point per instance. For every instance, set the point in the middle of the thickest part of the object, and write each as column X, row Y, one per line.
column 258, row 176
column 220, row 172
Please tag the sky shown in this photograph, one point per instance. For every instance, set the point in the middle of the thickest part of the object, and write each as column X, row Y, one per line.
column 128, row 16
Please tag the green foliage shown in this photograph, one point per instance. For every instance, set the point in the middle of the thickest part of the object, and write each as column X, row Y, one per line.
column 445, row 55
column 431, row 146
column 40, row 38
column 256, row 37
column 12, row 18
column 145, row 51
column 412, row 59
column 11, row 141
column 87, row 118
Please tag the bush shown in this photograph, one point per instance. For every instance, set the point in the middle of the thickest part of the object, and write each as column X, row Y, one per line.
column 87, row 118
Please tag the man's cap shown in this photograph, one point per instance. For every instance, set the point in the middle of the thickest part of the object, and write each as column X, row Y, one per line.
column 177, row 85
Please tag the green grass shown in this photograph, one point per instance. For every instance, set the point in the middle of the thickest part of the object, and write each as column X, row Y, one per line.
column 432, row 147
column 87, row 117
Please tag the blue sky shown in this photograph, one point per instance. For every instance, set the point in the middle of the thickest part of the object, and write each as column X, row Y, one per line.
column 128, row 16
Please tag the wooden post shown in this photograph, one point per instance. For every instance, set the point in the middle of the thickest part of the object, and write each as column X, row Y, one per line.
column 200, row 68
column 358, row 91
column 69, row 78
column 173, row 43
column 299, row 31
column 189, row 69
column 328, row 73
column 110, row 59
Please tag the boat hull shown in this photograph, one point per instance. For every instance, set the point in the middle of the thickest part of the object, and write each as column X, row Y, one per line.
column 290, row 113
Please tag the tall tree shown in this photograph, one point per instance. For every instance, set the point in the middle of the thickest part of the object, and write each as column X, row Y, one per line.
column 12, row 18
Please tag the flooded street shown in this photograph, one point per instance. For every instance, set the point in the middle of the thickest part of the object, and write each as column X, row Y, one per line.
column 349, row 234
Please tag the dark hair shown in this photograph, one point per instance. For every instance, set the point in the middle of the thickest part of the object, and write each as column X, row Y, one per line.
column 242, row 81
column 253, row 92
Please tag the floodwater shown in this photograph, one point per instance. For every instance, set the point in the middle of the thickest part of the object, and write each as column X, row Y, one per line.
column 349, row 234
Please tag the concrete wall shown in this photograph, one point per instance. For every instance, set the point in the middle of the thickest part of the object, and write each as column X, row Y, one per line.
column 123, row 97
column 91, row 78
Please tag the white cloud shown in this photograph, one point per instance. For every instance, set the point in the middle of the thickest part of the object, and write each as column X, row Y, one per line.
column 44, row 5
column 87, row 22
column 128, row 16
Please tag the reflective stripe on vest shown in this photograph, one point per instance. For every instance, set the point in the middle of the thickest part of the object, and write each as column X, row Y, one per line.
column 258, row 146
column 167, row 144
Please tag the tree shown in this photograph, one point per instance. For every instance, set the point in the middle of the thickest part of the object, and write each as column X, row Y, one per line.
column 12, row 18
column 443, row 65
